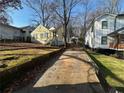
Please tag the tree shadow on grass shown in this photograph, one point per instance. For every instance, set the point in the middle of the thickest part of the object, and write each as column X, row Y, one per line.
column 38, row 67
column 7, row 47
column 105, row 72
column 88, row 87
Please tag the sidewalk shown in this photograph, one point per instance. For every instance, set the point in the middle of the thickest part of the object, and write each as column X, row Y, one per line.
column 71, row 73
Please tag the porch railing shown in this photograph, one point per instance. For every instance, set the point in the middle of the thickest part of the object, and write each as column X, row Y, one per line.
column 116, row 46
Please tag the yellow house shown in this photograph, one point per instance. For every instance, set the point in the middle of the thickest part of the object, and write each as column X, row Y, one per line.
column 50, row 36
column 41, row 35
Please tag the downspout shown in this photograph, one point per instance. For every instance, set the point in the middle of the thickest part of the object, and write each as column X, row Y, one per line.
column 93, row 34
column 115, row 23
column 115, row 28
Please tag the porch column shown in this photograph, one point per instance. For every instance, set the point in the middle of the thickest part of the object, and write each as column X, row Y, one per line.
column 118, row 40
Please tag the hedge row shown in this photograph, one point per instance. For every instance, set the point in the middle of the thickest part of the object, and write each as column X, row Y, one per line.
column 7, row 76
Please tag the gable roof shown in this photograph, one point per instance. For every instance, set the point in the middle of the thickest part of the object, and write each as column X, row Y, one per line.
column 27, row 28
column 93, row 20
column 120, row 15
column 113, row 15
column 52, row 29
column 40, row 28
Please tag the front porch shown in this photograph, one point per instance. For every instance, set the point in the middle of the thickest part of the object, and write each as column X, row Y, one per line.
column 117, row 40
column 116, row 47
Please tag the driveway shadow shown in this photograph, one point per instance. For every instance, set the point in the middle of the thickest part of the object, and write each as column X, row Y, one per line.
column 86, row 87
column 68, row 88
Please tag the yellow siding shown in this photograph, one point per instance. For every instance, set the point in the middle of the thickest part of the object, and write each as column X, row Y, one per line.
column 42, row 35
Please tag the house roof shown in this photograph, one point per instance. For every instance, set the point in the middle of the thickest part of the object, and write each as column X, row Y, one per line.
column 27, row 28
column 119, row 31
column 119, row 15
column 40, row 28
column 52, row 29
column 113, row 15
column 92, row 22
column 10, row 26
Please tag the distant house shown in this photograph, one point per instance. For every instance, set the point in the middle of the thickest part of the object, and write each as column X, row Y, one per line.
column 102, row 31
column 26, row 31
column 41, row 35
column 47, row 36
column 28, row 34
column 58, row 36
column 14, row 34
column 10, row 33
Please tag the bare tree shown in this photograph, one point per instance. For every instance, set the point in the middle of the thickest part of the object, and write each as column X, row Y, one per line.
column 86, row 10
column 41, row 9
column 90, row 10
column 63, row 9
column 111, row 6
column 4, row 5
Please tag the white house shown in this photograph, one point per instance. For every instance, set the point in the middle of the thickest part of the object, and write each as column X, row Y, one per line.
column 11, row 33
column 97, row 36
column 8, row 32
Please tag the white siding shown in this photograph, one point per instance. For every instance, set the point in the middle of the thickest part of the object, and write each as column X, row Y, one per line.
column 99, row 32
column 89, row 38
column 9, row 32
column 93, row 36
column 119, row 23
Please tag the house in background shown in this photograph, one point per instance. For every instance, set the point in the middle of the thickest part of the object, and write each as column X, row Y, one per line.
column 27, row 34
column 10, row 33
column 104, row 30
column 41, row 35
column 47, row 36
column 58, row 36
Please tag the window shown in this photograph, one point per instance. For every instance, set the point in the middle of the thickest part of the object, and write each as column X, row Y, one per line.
column 35, row 36
column 104, row 24
column 104, row 40
column 45, row 34
column 41, row 35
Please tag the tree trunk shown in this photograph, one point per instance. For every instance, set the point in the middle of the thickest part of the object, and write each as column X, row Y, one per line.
column 65, row 35
column 65, row 23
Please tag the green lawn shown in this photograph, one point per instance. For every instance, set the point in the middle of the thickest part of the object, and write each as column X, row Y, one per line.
column 112, row 68
column 16, row 57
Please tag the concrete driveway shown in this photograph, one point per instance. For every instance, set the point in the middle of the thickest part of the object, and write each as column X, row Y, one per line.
column 71, row 73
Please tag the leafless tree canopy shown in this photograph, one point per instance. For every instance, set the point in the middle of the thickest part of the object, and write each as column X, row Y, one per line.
column 4, row 5
column 41, row 9
column 57, row 12
column 111, row 6
column 63, row 9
